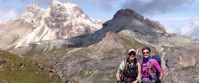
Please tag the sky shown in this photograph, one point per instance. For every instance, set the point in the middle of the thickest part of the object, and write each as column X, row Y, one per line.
column 177, row 16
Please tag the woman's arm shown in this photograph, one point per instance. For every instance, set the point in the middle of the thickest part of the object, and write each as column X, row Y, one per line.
column 139, row 73
column 119, row 71
column 161, row 75
column 158, row 68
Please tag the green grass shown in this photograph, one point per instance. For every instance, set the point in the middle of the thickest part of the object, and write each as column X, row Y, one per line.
column 129, row 42
column 15, row 69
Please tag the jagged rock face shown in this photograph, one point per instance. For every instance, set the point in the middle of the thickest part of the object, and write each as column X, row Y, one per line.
column 70, row 20
column 58, row 21
column 182, row 64
column 64, row 20
column 139, row 21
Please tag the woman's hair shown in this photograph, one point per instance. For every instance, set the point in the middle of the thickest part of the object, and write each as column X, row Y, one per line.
column 146, row 48
column 132, row 53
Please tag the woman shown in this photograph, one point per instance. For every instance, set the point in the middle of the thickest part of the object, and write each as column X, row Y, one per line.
column 129, row 70
column 150, row 67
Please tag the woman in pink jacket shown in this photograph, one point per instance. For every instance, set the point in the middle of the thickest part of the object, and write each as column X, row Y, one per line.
column 150, row 67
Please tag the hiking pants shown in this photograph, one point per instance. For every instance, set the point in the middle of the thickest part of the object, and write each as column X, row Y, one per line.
column 148, row 80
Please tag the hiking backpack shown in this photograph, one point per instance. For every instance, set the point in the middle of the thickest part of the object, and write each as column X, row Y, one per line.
column 156, row 57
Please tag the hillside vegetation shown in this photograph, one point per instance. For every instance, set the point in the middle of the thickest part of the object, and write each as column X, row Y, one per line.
column 14, row 69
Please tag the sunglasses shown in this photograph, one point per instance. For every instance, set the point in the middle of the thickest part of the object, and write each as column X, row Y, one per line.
column 145, row 52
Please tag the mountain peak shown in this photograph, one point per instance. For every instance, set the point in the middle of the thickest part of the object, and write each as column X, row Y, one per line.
column 129, row 19
column 58, row 21
column 33, row 7
column 126, row 12
column 56, row 2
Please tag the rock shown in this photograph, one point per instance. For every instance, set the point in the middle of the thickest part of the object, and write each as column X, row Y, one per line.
column 182, row 64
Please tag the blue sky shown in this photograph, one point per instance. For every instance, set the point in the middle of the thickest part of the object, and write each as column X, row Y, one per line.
column 177, row 16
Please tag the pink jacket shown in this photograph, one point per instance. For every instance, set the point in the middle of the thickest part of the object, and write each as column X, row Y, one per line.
column 145, row 68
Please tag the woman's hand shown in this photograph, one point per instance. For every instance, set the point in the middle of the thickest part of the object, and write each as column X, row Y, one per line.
column 161, row 76
column 136, row 81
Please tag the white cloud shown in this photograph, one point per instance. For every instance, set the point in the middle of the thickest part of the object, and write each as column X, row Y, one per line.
column 8, row 15
column 191, row 28
column 155, row 7
column 180, row 24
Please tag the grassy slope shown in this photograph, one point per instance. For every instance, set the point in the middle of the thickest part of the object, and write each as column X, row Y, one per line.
column 14, row 69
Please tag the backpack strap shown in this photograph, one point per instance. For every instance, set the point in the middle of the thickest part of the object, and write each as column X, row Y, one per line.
column 150, row 66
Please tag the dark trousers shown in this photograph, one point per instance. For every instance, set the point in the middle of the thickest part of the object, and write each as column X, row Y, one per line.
column 128, row 80
column 148, row 80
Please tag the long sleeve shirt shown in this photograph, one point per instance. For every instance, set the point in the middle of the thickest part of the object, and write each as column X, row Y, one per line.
column 154, row 63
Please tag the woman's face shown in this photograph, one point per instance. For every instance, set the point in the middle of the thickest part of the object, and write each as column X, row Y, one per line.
column 146, row 53
column 132, row 56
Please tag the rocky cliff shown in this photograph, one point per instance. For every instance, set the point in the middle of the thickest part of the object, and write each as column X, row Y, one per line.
column 181, row 63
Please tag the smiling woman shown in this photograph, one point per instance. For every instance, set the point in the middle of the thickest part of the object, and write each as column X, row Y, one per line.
column 129, row 69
